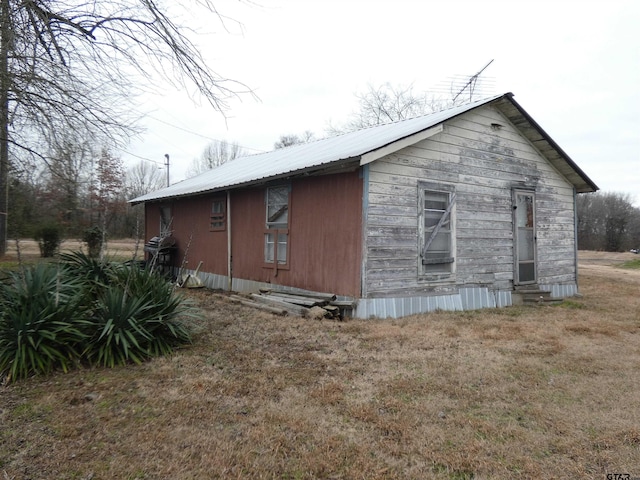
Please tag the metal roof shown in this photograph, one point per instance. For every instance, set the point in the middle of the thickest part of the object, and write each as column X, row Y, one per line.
column 320, row 154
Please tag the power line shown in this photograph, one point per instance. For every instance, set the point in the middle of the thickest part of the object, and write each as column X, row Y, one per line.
column 142, row 158
column 186, row 130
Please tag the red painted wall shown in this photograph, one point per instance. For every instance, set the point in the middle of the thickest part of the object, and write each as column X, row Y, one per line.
column 325, row 234
column 192, row 232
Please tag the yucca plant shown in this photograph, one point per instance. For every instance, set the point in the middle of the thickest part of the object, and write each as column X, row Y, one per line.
column 137, row 317
column 41, row 321
column 97, row 273
column 119, row 335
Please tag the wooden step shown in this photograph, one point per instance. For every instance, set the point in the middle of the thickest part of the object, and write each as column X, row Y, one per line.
column 532, row 296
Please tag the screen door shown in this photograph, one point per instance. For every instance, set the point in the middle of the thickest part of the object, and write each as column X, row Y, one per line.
column 525, row 237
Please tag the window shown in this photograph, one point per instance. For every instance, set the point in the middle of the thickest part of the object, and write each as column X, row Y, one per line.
column 276, row 236
column 436, row 230
column 218, row 215
column 165, row 221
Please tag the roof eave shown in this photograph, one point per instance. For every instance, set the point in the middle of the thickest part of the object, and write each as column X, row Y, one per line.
column 337, row 166
column 585, row 185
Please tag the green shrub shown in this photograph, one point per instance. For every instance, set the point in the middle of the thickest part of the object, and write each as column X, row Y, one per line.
column 137, row 317
column 49, row 240
column 93, row 237
column 81, row 310
column 41, row 322
column 96, row 274
column 168, row 310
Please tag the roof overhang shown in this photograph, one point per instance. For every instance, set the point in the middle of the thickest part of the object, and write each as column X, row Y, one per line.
column 363, row 147
column 400, row 144
column 533, row 132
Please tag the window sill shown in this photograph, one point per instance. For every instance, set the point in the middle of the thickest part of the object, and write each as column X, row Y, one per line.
column 443, row 279
column 271, row 266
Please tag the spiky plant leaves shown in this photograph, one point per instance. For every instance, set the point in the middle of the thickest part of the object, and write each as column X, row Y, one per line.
column 41, row 321
column 82, row 309
column 119, row 333
column 137, row 317
column 97, row 273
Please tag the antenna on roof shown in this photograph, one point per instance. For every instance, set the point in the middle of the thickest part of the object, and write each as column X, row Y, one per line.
column 471, row 84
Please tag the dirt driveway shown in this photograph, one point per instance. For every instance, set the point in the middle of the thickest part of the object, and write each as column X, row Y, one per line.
column 606, row 265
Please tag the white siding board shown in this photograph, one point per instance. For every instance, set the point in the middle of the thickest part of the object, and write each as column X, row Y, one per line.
column 387, row 252
column 390, row 220
column 390, row 209
column 391, row 262
column 483, row 165
column 386, row 231
column 400, row 200
column 474, row 152
column 469, row 230
column 393, row 241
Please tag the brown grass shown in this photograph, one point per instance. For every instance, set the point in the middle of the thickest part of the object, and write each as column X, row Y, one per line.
column 522, row 392
column 28, row 250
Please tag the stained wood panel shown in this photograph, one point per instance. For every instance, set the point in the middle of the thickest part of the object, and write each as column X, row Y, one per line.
column 325, row 235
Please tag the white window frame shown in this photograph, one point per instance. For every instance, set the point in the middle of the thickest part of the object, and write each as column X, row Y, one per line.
column 441, row 266
column 276, row 234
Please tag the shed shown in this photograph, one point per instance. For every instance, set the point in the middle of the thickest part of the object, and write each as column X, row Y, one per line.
column 460, row 209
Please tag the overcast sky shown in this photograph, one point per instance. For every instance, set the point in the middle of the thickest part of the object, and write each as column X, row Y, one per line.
column 573, row 65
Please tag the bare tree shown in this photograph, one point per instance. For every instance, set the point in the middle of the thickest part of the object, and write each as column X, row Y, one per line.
column 143, row 178
column 69, row 65
column 140, row 179
column 388, row 103
column 68, row 170
column 607, row 221
column 214, row 154
column 293, row 139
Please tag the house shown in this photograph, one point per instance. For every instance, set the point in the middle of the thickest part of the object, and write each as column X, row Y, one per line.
column 460, row 209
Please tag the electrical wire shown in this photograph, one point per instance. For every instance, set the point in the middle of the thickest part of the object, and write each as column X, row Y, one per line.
column 141, row 158
column 186, row 130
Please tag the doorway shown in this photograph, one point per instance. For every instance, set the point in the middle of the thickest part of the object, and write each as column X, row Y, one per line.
column 524, row 220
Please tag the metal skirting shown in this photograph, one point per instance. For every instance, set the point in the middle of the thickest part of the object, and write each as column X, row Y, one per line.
column 465, row 299
column 561, row 291
column 402, row 307
column 213, row 281
column 472, row 298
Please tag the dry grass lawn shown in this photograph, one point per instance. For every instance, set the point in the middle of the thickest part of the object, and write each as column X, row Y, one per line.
column 28, row 251
column 521, row 392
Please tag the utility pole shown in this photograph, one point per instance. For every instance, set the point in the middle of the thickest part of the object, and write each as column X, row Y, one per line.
column 166, row 155
column 5, row 83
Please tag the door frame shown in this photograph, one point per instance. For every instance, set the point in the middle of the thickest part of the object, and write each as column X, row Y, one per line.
column 518, row 233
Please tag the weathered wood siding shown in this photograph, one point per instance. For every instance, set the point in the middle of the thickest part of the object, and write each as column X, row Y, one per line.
column 484, row 164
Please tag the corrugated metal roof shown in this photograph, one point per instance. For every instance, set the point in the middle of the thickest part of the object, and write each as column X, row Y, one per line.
column 309, row 156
